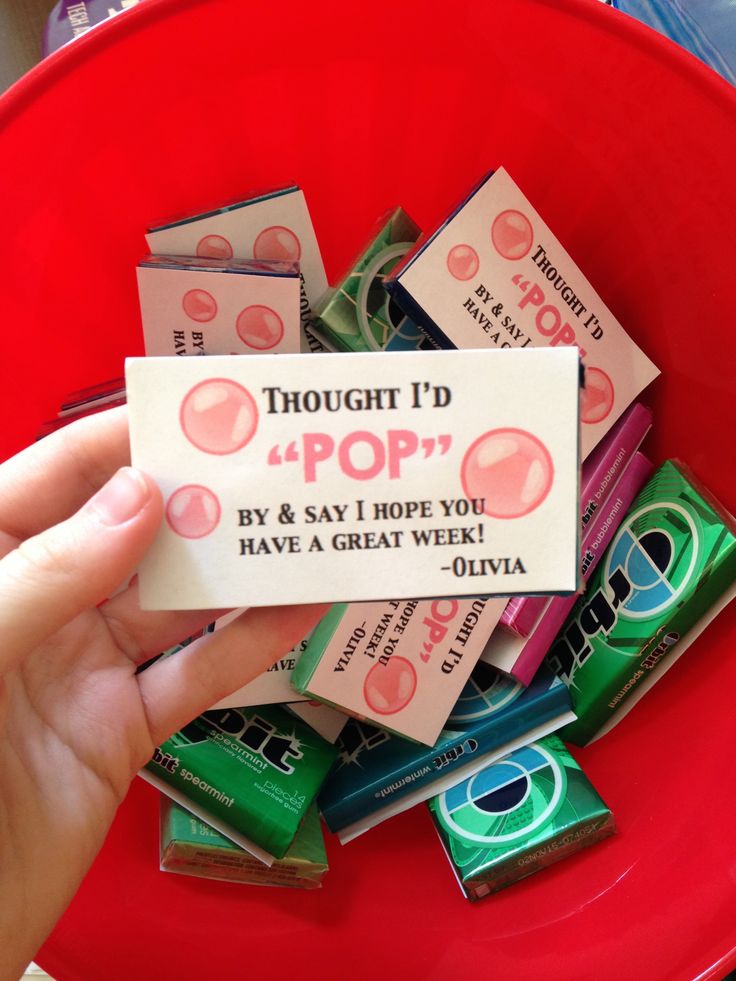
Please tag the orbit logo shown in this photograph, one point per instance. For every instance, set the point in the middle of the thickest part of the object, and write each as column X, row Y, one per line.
column 485, row 692
column 644, row 552
column 380, row 321
column 509, row 800
column 651, row 563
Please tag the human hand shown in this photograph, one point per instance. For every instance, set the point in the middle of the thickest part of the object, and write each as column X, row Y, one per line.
column 76, row 721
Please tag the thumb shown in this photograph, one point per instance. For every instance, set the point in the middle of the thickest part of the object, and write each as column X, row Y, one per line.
column 51, row 578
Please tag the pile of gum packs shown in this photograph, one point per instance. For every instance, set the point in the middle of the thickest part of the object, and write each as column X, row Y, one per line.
column 244, row 785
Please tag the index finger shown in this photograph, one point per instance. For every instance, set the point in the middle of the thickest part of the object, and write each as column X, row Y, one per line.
column 50, row 480
column 177, row 689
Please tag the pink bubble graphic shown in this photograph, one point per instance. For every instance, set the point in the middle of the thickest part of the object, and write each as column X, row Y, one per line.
column 463, row 262
column 388, row 688
column 218, row 416
column 199, row 305
column 277, row 242
column 214, row 247
column 512, row 234
column 193, row 511
column 510, row 469
column 598, row 396
column 260, row 327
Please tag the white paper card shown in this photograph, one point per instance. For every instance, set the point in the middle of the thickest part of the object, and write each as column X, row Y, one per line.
column 192, row 310
column 272, row 226
column 295, row 479
column 494, row 275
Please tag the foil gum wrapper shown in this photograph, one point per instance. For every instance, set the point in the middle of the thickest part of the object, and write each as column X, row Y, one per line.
column 518, row 815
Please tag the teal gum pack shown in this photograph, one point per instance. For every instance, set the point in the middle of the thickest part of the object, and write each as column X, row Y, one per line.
column 518, row 815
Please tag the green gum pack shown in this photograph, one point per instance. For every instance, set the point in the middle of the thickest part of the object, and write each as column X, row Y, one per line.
column 358, row 315
column 672, row 559
column 252, row 773
column 518, row 815
column 192, row 847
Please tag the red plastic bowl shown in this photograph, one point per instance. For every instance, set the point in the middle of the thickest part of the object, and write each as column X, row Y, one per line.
column 626, row 145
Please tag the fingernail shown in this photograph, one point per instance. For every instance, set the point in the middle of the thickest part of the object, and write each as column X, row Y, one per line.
column 122, row 497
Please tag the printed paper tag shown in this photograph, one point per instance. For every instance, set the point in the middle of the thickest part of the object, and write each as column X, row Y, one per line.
column 245, row 308
column 402, row 665
column 293, row 479
column 495, row 276
column 273, row 226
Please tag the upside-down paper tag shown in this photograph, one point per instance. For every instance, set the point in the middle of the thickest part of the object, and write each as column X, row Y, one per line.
column 297, row 479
